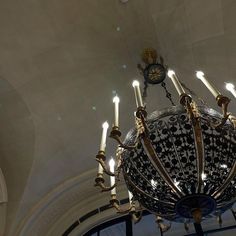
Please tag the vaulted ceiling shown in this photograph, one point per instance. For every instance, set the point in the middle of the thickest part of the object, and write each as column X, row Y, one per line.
column 60, row 64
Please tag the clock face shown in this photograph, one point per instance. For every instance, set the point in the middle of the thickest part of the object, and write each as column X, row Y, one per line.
column 154, row 73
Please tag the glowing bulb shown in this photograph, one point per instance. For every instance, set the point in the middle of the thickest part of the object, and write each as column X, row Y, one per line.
column 137, row 93
column 177, row 183
column 224, row 166
column 203, row 176
column 135, row 83
column 112, row 178
column 116, row 99
column 229, row 86
column 112, row 164
column 153, row 183
column 200, row 74
column 170, row 73
column 105, row 125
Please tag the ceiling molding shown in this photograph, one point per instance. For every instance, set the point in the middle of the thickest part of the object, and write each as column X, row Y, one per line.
column 67, row 202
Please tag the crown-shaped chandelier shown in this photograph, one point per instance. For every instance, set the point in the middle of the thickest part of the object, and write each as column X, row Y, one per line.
column 178, row 163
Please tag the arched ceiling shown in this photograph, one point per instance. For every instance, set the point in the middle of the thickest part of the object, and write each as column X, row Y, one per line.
column 62, row 61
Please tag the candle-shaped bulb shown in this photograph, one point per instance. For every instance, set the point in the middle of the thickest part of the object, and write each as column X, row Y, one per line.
column 112, row 178
column 135, row 83
column 112, row 165
column 229, row 86
column 171, row 74
column 116, row 101
column 105, row 126
column 137, row 92
column 200, row 75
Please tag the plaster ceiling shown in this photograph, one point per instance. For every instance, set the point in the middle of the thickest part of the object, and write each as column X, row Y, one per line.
column 62, row 61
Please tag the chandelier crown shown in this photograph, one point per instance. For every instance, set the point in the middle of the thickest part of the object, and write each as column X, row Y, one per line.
column 178, row 163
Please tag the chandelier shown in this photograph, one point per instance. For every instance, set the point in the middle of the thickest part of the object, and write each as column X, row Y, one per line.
column 178, row 163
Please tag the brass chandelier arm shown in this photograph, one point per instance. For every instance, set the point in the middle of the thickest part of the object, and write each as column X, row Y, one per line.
column 164, row 228
column 158, row 165
column 116, row 134
column 105, row 188
column 103, row 164
column 232, row 120
column 194, row 117
column 115, row 203
column 153, row 156
column 136, row 216
column 186, row 101
column 230, row 177
column 223, row 102
column 200, row 153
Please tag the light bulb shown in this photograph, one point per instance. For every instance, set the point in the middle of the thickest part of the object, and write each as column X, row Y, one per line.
column 177, row 183
column 116, row 99
column 135, row 83
column 223, row 166
column 200, row 74
column 229, row 86
column 170, row 73
column 112, row 163
column 105, row 125
column 203, row 176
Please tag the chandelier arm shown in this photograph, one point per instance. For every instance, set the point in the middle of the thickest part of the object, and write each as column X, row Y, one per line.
column 198, row 138
column 103, row 164
column 122, row 145
column 230, row 177
column 116, row 134
column 187, row 102
column 164, row 228
column 115, row 203
column 194, row 117
column 99, row 181
column 232, row 119
column 155, row 160
column 136, row 215
column 143, row 192
column 223, row 102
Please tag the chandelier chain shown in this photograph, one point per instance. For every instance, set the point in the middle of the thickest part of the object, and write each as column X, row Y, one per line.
column 191, row 92
column 168, row 94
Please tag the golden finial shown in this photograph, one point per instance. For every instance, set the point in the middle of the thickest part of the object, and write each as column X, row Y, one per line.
column 149, row 56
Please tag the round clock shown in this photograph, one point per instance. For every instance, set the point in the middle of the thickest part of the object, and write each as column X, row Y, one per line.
column 154, row 73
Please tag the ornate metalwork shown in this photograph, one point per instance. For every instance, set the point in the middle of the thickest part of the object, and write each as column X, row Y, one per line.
column 179, row 163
